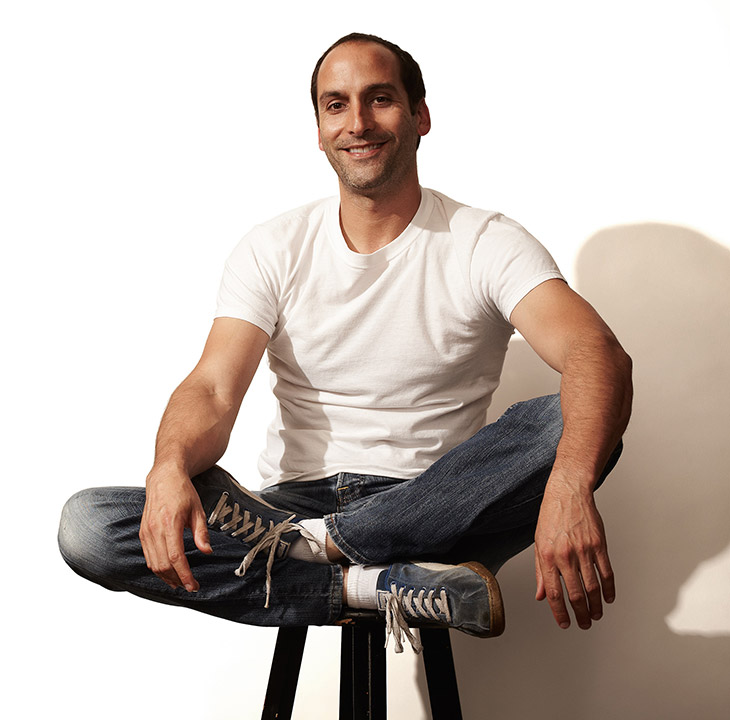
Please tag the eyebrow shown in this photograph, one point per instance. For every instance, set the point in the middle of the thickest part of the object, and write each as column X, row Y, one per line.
column 368, row 89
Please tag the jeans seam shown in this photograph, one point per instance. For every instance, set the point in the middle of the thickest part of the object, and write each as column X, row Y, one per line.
column 336, row 587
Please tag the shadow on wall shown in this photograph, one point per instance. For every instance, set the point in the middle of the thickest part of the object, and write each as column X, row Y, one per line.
column 665, row 291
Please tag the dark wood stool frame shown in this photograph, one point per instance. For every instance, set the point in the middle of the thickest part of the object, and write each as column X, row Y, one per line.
column 362, row 670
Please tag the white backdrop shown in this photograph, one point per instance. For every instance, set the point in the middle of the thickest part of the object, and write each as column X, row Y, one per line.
column 140, row 140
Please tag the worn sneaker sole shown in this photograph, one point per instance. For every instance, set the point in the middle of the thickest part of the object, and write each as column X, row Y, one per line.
column 496, row 606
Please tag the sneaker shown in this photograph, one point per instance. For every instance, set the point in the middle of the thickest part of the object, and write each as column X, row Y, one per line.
column 465, row 597
column 233, row 510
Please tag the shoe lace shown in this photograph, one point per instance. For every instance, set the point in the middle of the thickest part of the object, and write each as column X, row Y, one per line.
column 426, row 605
column 252, row 527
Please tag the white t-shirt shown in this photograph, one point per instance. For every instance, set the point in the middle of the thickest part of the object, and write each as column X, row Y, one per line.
column 380, row 363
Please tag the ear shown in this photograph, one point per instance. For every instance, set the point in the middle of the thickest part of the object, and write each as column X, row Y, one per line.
column 423, row 118
column 319, row 140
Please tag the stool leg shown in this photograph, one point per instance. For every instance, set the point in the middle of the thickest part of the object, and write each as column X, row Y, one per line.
column 438, row 660
column 284, row 673
column 362, row 673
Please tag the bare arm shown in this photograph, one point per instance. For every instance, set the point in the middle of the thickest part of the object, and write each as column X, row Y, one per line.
column 193, row 435
column 595, row 393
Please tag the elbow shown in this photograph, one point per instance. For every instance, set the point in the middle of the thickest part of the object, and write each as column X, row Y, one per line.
column 622, row 361
column 618, row 370
column 625, row 366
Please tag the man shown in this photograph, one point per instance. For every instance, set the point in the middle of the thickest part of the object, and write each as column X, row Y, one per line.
column 386, row 318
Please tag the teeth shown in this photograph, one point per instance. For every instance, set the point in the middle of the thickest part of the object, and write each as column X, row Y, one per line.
column 363, row 150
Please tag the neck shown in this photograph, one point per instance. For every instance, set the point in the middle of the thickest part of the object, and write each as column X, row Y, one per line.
column 371, row 222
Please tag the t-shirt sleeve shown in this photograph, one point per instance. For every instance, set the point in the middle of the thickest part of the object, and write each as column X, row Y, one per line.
column 247, row 289
column 507, row 263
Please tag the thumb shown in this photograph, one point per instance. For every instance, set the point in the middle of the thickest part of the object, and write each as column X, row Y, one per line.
column 199, row 527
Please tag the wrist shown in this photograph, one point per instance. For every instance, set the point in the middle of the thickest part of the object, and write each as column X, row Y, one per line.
column 577, row 482
column 166, row 469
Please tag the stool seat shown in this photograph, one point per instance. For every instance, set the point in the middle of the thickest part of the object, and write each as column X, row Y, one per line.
column 362, row 670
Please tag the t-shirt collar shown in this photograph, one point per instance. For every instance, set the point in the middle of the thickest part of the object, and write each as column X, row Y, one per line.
column 389, row 251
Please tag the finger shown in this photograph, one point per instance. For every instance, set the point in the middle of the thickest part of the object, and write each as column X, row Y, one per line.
column 554, row 595
column 160, row 565
column 592, row 590
column 199, row 527
column 606, row 573
column 147, row 552
column 540, row 594
column 154, row 548
column 178, row 562
column 152, row 554
column 577, row 596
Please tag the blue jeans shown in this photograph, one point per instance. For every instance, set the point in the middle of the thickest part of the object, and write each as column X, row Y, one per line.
column 480, row 501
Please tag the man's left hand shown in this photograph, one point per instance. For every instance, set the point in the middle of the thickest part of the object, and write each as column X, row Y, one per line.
column 570, row 543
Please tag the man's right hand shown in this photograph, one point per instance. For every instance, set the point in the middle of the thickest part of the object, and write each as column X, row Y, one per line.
column 172, row 505
column 193, row 435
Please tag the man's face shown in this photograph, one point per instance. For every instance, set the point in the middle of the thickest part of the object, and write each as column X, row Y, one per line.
column 366, row 128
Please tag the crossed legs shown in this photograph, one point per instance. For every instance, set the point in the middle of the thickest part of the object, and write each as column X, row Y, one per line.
column 479, row 502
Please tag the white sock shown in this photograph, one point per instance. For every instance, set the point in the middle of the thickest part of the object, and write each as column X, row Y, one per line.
column 362, row 583
column 312, row 546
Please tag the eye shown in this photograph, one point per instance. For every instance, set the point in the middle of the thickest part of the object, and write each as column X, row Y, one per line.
column 335, row 106
column 381, row 100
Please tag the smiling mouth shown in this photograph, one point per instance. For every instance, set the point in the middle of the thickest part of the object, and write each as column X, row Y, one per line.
column 363, row 149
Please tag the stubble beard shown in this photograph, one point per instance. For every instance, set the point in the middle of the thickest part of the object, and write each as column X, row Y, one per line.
column 369, row 180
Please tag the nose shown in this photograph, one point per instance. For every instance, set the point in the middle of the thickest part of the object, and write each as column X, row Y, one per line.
column 360, row 119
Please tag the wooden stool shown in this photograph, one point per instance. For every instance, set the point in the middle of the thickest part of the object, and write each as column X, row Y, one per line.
column 362, row 670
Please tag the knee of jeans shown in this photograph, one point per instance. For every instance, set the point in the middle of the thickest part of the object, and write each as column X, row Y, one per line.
column 553, row 414
column 545, row 412
column 81, row 538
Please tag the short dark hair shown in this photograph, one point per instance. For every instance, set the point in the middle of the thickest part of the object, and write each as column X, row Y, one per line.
column 410, row 73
